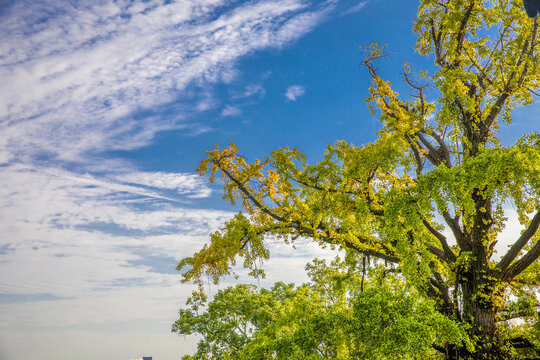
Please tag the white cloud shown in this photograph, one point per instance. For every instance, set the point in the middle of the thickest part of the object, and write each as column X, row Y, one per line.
column 85, row 77
column 77, row 238
column 187, row 184
column 78, row 78
column 51, row 220
column 73, row 83
column 206, row 102
column 294, row 92
column 231, row 111
column 355, row 8
column 254, row 90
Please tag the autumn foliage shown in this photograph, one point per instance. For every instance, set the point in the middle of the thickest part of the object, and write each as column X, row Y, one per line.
column 429, row 197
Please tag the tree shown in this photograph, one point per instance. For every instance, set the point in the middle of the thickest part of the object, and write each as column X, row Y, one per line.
column 342, row 313
column 437, row 164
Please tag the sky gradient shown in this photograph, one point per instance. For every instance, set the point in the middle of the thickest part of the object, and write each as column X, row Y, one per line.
column 106, row 108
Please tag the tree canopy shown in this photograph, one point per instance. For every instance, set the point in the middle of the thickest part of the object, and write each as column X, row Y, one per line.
column 437, row 164
column 342, row 313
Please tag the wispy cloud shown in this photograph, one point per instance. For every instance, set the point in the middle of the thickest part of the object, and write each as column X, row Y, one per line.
column 294, row 92
column 83, row 77
column 20, row 298
column 186, row 184
column 48, row 218
column 79, row 79
column 355, row 8
column 88, row 273
column 254, row 90
column 231, row 111
column 78, row 73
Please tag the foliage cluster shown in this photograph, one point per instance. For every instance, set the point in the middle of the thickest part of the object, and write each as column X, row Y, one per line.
column 346, row 311
column 427, row 197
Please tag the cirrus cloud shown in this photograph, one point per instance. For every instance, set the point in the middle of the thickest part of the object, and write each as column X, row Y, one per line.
column 77, row 75
column 84, row 78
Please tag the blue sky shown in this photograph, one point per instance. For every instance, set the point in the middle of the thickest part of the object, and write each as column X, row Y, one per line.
column 106, row 108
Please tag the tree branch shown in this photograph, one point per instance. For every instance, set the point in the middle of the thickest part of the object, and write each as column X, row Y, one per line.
column 419, row 164
column 520, row 243
column 442, row 239
column 243, row 189
column 436, row 37
column 461, row 34
column 437, row 252
column 443, row 148
column 436, row 292
column 506, row 92
column 438, row 283
column 303, row 230
column 373, row 211
column 432, row 154
column 456, row 230
column 522, row 264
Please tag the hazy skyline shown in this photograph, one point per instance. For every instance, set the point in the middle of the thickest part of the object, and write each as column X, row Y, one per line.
column 106, row 108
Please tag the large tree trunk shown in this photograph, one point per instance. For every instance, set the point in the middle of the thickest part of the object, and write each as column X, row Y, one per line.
column 480, row 314
column 479, row 307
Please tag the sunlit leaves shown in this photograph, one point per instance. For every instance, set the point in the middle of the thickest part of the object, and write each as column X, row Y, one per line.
column 513, row 173
column 340, row 314
column 237, row 238
column 427, row 197
column 400, row 326
column 481, row 60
